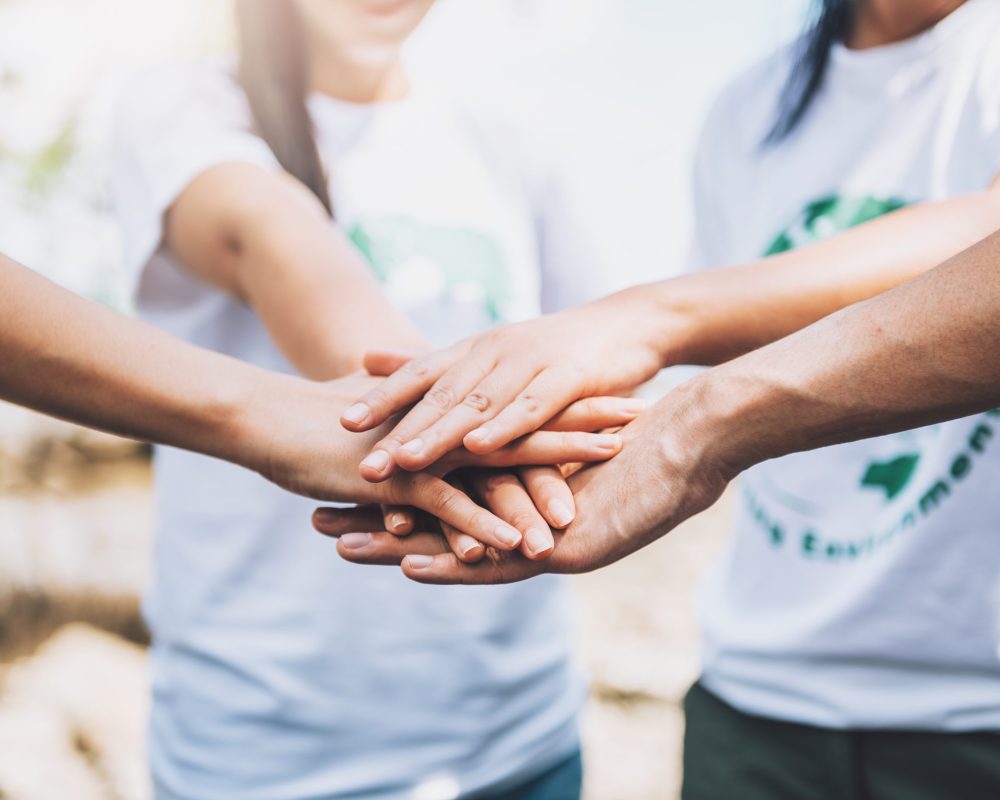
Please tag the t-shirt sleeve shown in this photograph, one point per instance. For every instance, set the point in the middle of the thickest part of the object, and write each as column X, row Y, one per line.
column 171, row 124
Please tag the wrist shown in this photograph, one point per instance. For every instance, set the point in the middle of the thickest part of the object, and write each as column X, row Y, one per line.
column 721, row 421
column 248, row 414
column 665, row 318
column 638, row 317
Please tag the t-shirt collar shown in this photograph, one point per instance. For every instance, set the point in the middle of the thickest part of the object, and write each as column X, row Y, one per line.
column 876, row 63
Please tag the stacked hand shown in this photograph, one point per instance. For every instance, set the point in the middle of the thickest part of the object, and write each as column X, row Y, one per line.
column 507, row 519
column 614, row 517
column 487, row 391
column 481, row 395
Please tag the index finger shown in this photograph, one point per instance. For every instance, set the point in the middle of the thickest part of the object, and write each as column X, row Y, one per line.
column 402, row 388
column 440, row 398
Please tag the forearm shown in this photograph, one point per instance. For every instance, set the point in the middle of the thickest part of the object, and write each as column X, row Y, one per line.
column 264, row 238
column 922, row 353
column 709, row 317
column 318, row 299
column 72, row 358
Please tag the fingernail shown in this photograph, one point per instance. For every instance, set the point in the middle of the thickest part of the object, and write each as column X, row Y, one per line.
column 509, row 537
column 357, row 413
column 418, row 562
column 376, row 460
column 607, row 441
column 355, row 541
column 470, row 548
column 537, row 541
column 397, row 521
column 560, row 513
column 413, row 447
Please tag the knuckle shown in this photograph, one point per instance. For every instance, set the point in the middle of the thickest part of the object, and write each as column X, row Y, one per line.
column 498, row 560
column 440, row 397
column 531, row 404
column 417, row 368
column 444, row 499
column 477, row 402
column 490, row 339
column 494, row 483
column 595, row 406
column 376, row 399
column 545, row 478
column 391, row 441
column 524, row 519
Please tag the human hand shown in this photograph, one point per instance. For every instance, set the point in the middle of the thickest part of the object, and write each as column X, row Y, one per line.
column 533, row 498
column 513, row 495
column 290, row 436
column 489, row 390
column 671, row 468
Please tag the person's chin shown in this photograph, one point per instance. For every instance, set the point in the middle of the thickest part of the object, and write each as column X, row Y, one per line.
column 375, row 54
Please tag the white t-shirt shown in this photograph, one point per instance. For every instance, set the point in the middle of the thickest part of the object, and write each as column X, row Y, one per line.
column 860, row 588
column 279, row 670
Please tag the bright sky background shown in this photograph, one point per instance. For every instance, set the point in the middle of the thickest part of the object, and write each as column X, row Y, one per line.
column 619, row 85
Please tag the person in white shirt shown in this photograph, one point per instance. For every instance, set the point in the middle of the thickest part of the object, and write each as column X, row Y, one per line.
column 855, row 611
column 72, row 358
column 280, row 672
column 854, row 616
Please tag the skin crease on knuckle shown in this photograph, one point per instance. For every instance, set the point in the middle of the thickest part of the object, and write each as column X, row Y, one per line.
column 477, row 402
column 530, row 405
column 444, row 499
column 417, row 370
column 440, row 397
column 422, row 491
column 377, row 401
column 390, row 442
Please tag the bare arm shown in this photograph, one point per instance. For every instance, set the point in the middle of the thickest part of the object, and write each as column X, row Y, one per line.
column 263, row 237
column 72, row 358
column 487, row 391
column 924, row 352
column 710, row 317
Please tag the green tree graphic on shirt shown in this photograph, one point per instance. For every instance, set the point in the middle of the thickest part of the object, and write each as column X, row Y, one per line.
column 831, row 215
column 454, row 258
column 825, row 217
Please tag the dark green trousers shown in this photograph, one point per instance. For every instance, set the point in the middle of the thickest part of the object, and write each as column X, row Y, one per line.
column 729, row 755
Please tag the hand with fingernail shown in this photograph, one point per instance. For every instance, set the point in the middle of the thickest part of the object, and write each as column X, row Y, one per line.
column 492, row 389
column 663, row 475
column 534, row 499
column 291, row 437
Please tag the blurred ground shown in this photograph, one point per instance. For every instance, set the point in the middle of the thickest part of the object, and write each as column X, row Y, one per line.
column 74, row 543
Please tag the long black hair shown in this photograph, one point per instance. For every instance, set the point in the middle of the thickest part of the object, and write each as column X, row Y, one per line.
column 832, row 24
column 274, row 73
